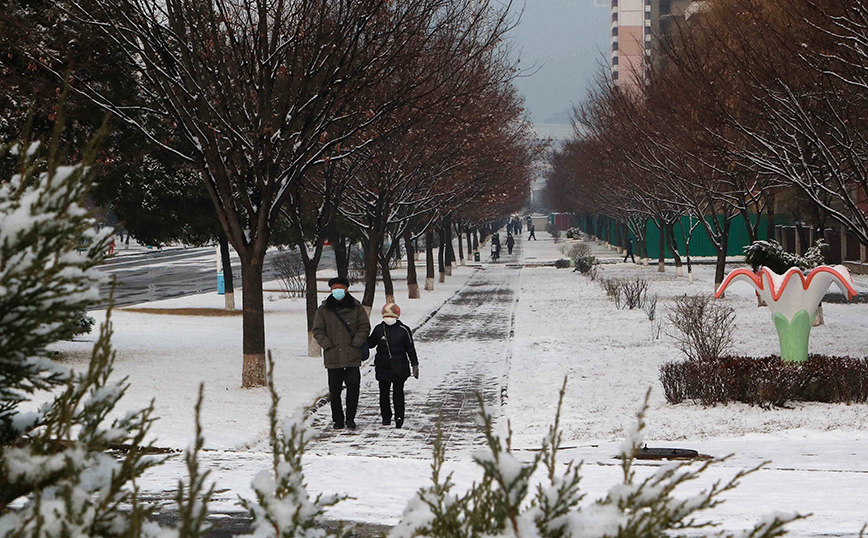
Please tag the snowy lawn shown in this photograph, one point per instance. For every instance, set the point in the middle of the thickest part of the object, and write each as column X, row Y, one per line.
column 166, row 357
column 566, row 326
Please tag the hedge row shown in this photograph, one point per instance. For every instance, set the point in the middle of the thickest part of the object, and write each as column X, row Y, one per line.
column 767, row 381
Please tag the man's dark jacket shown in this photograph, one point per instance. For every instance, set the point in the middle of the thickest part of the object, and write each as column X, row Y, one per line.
column 339, row 350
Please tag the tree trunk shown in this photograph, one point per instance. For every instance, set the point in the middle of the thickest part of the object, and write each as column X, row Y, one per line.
column 661, row 261
column 720, row 269
column 342, row 256
column 372, row 259
column 253, row 369
column 388, row 285
column 311, row 264
column 820, row 319
column 673, row 247
column 228, row 284
column 475, row 241
column 460, row 244
column 450, row 250
column 429, row 260
column 311, row 303
column 770, row 217
column 412, row 281
column 441, row 255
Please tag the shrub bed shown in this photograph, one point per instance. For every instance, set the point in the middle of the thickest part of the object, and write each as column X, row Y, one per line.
column 767, row 381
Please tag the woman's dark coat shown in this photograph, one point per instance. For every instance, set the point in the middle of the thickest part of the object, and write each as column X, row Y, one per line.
column 400, row 342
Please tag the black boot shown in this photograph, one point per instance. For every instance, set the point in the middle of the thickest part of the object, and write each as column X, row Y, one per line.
column 399, row 422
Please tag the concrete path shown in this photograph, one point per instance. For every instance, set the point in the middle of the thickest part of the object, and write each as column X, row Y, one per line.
column 463, row 351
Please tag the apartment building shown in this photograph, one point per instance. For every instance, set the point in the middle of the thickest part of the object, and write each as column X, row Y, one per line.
column 636, row 24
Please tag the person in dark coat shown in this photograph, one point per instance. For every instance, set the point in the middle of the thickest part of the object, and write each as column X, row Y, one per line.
column 629, row 251
column 342, row 353
column 395, row 359
column 510, row 242
column 532, row 233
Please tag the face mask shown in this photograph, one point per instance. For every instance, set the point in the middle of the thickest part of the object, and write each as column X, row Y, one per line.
column 390, row 321
column 339, row 293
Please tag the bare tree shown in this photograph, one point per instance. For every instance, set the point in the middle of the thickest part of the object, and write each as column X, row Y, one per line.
column 260, row 92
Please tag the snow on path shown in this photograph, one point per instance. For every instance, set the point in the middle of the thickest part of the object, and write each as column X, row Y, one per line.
column 462, row 353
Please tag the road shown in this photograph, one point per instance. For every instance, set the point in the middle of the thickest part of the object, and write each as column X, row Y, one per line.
column 173, row 272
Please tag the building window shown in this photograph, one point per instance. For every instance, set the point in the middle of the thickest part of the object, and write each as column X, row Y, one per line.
column 615, row 46
column 614, row 17
column 647, row 15
column 614, row 60
column 614, row 3
column 615, row 31
column 647, row 30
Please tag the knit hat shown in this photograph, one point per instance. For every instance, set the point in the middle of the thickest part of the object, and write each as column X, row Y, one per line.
column 391, row 310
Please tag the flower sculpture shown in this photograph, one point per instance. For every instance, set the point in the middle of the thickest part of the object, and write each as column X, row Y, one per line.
column 793, row 299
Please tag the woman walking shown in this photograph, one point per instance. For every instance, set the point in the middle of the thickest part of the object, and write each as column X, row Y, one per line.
column 396, row 353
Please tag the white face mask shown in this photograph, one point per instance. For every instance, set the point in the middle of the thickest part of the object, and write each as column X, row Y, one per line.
column 390, row 321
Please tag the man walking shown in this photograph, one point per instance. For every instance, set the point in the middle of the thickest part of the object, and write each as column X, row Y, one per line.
column 341, row 326
column 532, row 233
column 510, row 242
column 629, row 251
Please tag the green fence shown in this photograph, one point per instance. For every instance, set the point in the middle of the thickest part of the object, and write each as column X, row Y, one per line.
column 700, row 244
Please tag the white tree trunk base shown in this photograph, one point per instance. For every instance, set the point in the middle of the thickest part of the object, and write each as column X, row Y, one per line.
column 449, row 270
column 661, row 267
column 390, row 299
column 463, row 262
column 690, row 277
column 819, row 319
column 646, row 262
column 313, row 347
column 413, row 291
column 679, row 271
column 442, row 278
column 229, row 299
column 429, row 284
column 253, row 370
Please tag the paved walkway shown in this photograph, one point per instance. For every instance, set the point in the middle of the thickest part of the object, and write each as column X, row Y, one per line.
column 462, row 352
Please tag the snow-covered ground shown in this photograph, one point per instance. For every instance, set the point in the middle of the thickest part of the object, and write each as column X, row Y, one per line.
column 563, row 326
column 166, row 357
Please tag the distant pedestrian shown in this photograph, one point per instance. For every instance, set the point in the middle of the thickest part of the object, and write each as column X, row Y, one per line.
column 532, row 233
column 510, row 242
column 396, row 356
column 629, row 251
column 341, row 327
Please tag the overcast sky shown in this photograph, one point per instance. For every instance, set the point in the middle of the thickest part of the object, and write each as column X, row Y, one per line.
column 567, row 40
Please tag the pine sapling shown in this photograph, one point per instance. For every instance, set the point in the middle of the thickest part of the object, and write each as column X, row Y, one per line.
column 283, row 507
